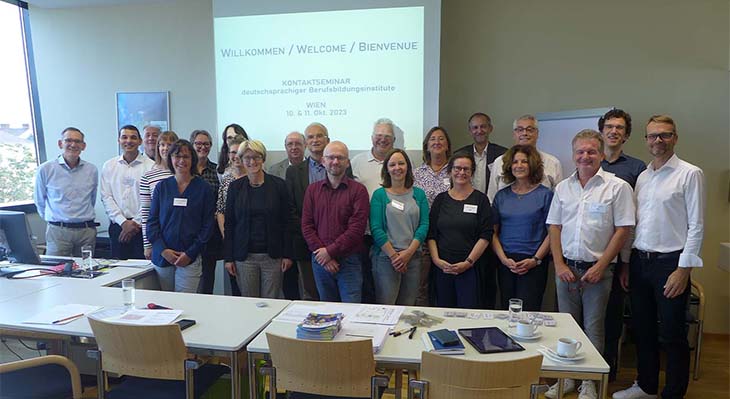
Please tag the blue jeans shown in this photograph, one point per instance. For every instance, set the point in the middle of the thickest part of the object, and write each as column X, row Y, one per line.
column 391, row 287
column 343, row 286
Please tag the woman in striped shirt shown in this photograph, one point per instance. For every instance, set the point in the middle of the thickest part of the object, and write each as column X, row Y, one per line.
column 149, row 180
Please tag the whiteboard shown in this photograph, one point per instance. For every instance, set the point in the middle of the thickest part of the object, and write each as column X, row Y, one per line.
column 557, row 130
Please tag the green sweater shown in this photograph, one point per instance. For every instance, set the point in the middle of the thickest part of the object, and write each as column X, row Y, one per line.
column 378, row 224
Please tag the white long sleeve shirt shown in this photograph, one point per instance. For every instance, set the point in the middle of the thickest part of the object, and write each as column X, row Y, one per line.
column 120, row 187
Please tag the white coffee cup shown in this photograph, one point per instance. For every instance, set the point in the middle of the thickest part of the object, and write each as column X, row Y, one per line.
column 525, row 328
column 567, row 347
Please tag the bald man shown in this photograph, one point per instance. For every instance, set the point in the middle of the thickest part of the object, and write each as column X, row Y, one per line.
column 294, row 145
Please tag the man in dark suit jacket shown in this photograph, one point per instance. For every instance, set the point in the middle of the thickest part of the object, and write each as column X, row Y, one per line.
column 298, row 177
column 480, row 127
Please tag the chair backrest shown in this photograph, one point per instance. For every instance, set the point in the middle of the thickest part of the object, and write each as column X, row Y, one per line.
column 141, row 351
column 451, row 377
column 323, row 367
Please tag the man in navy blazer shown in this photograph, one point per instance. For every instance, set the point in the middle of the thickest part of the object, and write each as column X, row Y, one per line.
column 485, row 152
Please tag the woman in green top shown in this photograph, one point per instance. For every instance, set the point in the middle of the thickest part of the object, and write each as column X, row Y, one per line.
column 399, row 224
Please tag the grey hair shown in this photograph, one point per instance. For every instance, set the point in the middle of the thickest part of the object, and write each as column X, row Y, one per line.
column 526, row 117
column 384, row 121
column 304, row 139
column 158, row 127
column 319, row 125
column 589, row 134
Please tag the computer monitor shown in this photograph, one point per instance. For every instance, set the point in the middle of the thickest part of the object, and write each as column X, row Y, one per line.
column 19, row 243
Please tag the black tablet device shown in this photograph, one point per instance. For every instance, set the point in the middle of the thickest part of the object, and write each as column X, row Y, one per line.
column 490, row 340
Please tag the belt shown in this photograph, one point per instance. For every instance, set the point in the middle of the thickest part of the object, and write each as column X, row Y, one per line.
column 657, row 255
column 79, row 225
column 578, row 264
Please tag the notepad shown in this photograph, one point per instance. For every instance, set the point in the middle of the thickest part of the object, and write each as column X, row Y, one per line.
column 62, row 314
column 378, row 333
column 432, row 345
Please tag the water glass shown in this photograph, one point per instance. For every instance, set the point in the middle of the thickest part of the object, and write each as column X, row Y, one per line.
column 128, row 292
column 87, row 254
column 515, row 309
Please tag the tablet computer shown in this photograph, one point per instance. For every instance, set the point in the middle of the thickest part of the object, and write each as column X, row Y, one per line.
column 490, row 340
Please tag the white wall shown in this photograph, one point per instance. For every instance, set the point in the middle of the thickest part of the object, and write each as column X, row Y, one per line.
column 85, row 55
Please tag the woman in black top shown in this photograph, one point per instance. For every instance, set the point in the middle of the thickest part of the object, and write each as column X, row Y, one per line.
column 255, row 247
column 459, row 232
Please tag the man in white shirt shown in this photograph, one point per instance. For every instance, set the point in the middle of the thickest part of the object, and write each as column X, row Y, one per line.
column 367, row 166
column 120, row 195
column 670, row 199
column 590, row 219
column 526, row 132
column 294, row 145
column 151, row 133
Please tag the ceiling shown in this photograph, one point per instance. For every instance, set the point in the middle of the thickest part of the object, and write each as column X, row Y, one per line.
column 88, row 3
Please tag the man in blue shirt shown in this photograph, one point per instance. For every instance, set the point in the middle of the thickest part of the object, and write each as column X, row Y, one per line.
column 65, row 195
column 615, row 127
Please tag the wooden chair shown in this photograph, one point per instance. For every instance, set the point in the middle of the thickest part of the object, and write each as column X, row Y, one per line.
column 452, row 377
column 340, row 369
column 155, row 355
column 50, row 376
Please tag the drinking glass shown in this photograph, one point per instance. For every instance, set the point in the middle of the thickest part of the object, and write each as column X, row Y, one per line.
column 515, row 309
column 87, row 253
column 128, row 292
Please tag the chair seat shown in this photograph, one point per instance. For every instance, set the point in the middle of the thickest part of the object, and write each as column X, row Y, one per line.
column 49, row 381
column 137, row 387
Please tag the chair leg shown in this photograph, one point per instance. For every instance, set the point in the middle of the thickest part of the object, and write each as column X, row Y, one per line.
column 100, row 374
column 270, row 371
column 378, row 383
column 698, row 350
column 417, row 386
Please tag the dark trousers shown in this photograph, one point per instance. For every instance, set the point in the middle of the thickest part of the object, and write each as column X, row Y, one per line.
column 456, row 291
column 647, row 279
column 368, row 286
column 132, row 249
column 530, row 287
column 290, row 285
column 614, row 324
column 486, row 274
column 210, row 257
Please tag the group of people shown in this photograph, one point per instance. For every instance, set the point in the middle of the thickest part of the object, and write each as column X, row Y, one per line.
column 455, row 231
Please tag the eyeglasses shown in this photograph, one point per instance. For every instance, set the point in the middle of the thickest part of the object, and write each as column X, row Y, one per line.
column 202, row 144
column 461, row 169
column 249, row 159
column 179, row 157
column 230, row 137
column 340, row 158
column 529, row 129
column 73, row 141
column 383, row 137
column 617, row 127
column 664, row 136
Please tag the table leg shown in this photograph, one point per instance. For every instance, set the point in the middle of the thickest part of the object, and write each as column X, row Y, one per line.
column 560, row 388
column 604, row 387
column 252, row 388
column 235, row 377
column 398, row 389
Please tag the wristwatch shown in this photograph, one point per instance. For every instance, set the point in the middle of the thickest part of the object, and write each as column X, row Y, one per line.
column 538, row 261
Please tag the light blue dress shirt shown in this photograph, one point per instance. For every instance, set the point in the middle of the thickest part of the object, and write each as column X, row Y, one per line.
column 64, row 194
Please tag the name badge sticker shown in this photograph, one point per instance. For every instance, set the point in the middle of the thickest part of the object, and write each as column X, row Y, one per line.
column 597, row 207
column 470, row 208
column 447, row 181
column 180, row 202
column 398, row 205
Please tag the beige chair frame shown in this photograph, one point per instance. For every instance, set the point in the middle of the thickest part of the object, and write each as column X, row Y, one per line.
column 335, row 368
column 73, row 371
column 452, row 377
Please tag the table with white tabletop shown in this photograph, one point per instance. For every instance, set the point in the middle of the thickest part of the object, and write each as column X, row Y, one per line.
column 403, row 353
column 224, row 324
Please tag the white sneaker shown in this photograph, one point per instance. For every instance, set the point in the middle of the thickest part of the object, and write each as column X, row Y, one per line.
column 635, row 392
column 587, row 390
column 568, row 386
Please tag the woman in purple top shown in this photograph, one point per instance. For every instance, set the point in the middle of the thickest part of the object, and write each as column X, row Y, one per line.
column 520, row 235
column 433, row 178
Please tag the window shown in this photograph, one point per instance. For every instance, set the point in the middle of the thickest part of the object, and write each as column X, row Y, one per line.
column 21, row 146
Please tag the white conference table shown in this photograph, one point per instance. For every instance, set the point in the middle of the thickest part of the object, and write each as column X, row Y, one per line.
column 403, row 353
column 224, row 324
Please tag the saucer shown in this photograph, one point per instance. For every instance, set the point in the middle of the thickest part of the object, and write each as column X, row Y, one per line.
column 553, row 354
column 513, row 333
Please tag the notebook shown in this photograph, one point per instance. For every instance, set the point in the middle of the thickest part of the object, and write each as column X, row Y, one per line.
column 433, row 345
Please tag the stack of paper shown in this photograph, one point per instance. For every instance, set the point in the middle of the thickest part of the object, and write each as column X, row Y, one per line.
column 320, row 327
column 145, row 317
column 377, row 333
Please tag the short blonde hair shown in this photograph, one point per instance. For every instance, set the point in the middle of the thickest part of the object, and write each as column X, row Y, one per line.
column 663, row 119
column 253, row 145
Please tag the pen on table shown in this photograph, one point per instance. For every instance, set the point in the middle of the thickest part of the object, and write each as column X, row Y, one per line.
column 413, row 331
column 67, row 318
column 398, row 333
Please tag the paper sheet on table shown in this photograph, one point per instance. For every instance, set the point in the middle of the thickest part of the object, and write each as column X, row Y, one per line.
column 353, row 331
column 145, row 317
column 298, row 312
column 61, row 314
column 132, row 263
column 377, row 314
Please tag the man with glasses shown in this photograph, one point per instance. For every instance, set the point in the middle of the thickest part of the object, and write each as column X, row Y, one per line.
column 670, row 198
column 294, row 145
column 485, row 152
column 120, row 195
column 615, row 127
column 334, row 216
column 526, row 132
column 151, row 133
column 65, row 195
column 590, row 218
